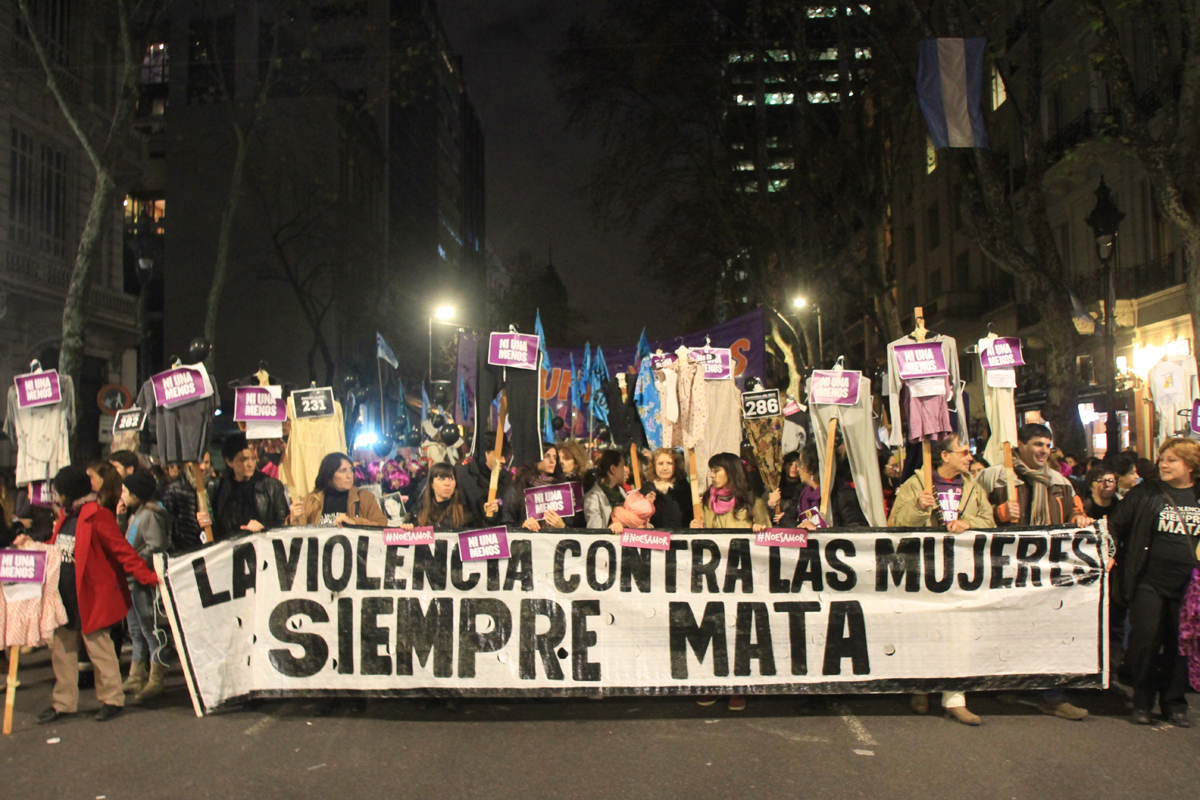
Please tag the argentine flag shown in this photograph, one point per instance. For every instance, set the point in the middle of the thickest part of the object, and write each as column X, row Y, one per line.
column 950, row 86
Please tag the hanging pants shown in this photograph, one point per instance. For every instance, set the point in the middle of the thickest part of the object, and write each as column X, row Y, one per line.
column 1152, row 660
column 857, row 426
column 64, row 656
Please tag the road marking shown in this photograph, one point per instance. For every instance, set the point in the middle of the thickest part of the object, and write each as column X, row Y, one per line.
column 258, row 727
column 791, row 737
column 854, row 725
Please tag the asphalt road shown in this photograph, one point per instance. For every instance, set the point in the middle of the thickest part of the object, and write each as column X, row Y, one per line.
column 837, row 747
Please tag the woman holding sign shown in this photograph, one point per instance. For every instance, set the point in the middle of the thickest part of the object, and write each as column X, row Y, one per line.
column 546, row 472
column 335, row 500
column 729, row 503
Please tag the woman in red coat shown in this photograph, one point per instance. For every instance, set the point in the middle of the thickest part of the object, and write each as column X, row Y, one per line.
column 92, row 583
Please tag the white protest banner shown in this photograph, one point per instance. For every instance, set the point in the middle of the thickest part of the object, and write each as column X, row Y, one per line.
column 324, row 610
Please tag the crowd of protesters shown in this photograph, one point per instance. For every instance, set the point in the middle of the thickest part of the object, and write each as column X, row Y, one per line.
column 111, row 517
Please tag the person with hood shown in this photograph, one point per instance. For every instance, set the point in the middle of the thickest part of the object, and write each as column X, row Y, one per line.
column 148, row 531
column 243, row 499
column 335, row 500
column 474, row 480
column 1157, row 529
column 954, row 502
column 1044, row 497
column 546, row 472
column 91, row 582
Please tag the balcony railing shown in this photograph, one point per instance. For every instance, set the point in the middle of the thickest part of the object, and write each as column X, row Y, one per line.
column 1131, row 283
column 1088, row 125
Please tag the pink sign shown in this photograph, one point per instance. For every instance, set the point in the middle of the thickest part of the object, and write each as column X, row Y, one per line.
column 1196, row 416
column 921, row 360
column 41, row 493
column 834, row 387
column 38, row 389
column 403, row 536
column 558, row 498
column 781, row 537
column 717, row 361
column 1000, row 353
column 22, row 566
column 258, row 404
column 647, row 540
column 180, row 385
column 483, row 544
column 517, row 350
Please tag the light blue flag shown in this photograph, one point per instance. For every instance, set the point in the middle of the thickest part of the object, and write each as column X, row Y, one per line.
column 599, row 379
column 546, row 413
column 383, row 351
column 643, row 349
column 424, row 407
column 950, row 88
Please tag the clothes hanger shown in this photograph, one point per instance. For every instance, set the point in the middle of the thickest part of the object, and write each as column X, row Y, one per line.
column 35, row 365
column 840, row 364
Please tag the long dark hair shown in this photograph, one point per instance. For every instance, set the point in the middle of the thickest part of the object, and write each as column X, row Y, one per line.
column 110, row 490
column 456, row 510
column 527, row 473
column 329, row 465
column 738, row 485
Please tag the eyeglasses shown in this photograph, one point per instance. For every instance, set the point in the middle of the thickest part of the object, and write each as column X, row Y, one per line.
column 1106, row 480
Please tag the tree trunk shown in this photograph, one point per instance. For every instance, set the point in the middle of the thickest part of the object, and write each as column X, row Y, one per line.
column 1061, row 409
column 1191, row 249
column 221, row 267
column 70, row 357
column 789, row 358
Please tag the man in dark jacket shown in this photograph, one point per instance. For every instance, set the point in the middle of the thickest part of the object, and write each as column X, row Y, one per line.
column 244, row 499
column 475, row 479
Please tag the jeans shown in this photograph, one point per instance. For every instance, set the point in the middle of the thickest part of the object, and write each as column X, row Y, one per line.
column 151, row 642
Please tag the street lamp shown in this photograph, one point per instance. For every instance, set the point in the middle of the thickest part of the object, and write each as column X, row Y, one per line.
column 1104, row 220
column 144, row 247
column 800, row 302
column 444, row 315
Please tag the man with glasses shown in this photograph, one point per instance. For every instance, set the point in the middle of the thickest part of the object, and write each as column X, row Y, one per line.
column 1100, row 493
column 958, row 504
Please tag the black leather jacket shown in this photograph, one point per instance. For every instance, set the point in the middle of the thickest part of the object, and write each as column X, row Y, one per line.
column 270, row 504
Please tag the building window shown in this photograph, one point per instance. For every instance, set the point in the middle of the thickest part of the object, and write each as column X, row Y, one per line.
column 52, row 201
column 148, row 209
column 962, row 272
column 779, row 98
column 999, row 92
column 52, row 19
column 930, row 155
column 933, row 227
column 20, row 195
column 154, row 65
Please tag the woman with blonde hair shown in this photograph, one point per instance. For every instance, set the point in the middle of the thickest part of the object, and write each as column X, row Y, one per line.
column 1157, row 529
column 673, row 509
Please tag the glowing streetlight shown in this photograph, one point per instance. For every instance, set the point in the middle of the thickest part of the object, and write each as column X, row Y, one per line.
column 799, row 302
column 444, row 312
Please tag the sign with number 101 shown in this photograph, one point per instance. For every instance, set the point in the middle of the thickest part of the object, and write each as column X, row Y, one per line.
column 312, row 403
column 765, row 403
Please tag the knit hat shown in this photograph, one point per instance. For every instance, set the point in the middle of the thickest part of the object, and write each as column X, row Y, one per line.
column 141, row 484
column 636, row 511
column 236, row 443
column 72, row 483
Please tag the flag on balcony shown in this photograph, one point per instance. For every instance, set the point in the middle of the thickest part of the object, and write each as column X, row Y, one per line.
column 950, row 88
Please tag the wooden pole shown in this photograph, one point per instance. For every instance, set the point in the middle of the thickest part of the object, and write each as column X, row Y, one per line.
column 828, row 472
column 10, row 693
column 498, row 450
column 927, row 463
column 636, row 465
column 697, row 505
column 202, row 500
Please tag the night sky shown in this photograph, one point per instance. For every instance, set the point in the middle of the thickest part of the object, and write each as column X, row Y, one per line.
column 537, row 171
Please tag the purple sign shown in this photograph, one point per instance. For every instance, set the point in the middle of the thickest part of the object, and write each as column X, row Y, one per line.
column 484, row 543
column 922, row 360
column 559, row 498
column 664, row 360
column 38, row 389
column 646, row 540
column 517, row 350
column 834, row 387
column 178, row 386
column 577, row 494
column 257, row 404
column 781, row 537
column 1000, row 353
column 717, row 361
column 22, row 566
column 1196, row 416
column 403, row 536
column 41, row 494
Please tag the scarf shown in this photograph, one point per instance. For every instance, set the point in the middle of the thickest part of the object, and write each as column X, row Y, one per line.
column 80, row 503
column 721, row 501
column 613, row 493
column 1039, row 483
column 541, row 480
column 635, row 512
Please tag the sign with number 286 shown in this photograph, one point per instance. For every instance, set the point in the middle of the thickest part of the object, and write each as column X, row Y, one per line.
column 765, row 403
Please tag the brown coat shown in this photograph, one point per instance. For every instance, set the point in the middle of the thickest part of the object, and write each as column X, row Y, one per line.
column 360, row 506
